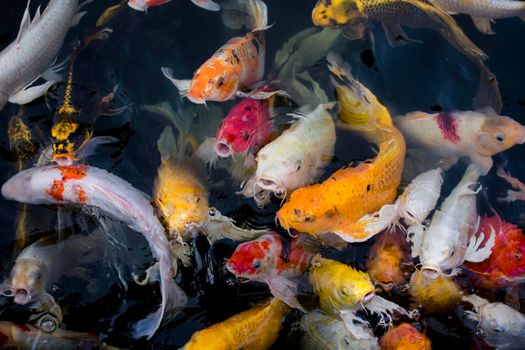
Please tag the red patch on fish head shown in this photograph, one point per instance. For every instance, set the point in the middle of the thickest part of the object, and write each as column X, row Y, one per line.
column 249, row 258
column 71, row 172
column 246, row 125
column 448, row 126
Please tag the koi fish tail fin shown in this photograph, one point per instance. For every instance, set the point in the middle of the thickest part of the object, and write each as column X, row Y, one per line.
column 173, row 298
column 360, row 109
column 207, row 5
column 252, row 14
column 488, row 93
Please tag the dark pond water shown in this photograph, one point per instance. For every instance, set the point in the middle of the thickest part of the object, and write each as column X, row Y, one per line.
column 429, row 76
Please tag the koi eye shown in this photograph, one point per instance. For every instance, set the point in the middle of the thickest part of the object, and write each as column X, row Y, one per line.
column 39, row 276
column 256, row 264
column 452, row 253
column 498, row 330
column 344, row 291
column 500, row 138
column 308, row 218
column 220, row 82
column 346, row 339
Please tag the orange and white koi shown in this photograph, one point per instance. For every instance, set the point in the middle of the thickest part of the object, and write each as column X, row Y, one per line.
column 90, row 187
column 236, row 66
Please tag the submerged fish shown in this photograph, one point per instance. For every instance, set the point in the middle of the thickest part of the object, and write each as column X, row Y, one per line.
column 237, row 65
column 484, row 12
column 353, row 15
column 518, row 194
column 388, row 260
column 405, row 337
column 343, row 290
column 144, row 5
column 270, row 260
column 294, row 159
column 351, row 193
column 434, row 295
column 30, row 56
column 506, row 264
column 94, row 188
column 27, row 337
column 325, row 332
column 253, row 329
column 244, row 130
column 450, row 239
column 478, row 135
column 499, row 325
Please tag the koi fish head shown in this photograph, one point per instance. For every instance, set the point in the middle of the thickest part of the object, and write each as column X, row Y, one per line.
column 333, row 13
column 212, row 82
column 30, row 185
column 245, row 127
column 27, row 281
column 340, row 286
column 404, row 336
column 499, row 324
column 256, row 260
column 499, row 134
column 303, row 214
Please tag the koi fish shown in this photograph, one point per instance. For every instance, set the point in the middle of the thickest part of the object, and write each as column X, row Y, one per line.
column 27, row 337
column 512, row 195
column 144, row 5
column 254, row 329
column 450, row 239
column 32, row 53
column 483, row 13
column 294, row 159
column 342, row 291
column 499, row 325
column 270, row 260
column 353, row 15
column 244, row 130
column 388, row 260
column 434, row 295
column 351, row 193
column 477, row 135
column 90, row 187
column 237, row 65
column 325, row 332
column 506, row 265
column 404, row 336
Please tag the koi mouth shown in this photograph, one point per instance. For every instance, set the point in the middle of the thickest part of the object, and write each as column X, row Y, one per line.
column 223, row 149
column 22, row 296
column 430, row 272
column 387, row 286
column 368, row 297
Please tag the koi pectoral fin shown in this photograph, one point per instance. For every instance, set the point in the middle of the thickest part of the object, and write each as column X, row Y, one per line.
column 219, row 226
column 286, row 291
column 396, row 36
column 483, row 25
column 359, row 331
column 261, row 95
column 207, row 5
column 182, row 85
column 29, row 94
column 476, row 254
column 385, row 309
column 488, row 93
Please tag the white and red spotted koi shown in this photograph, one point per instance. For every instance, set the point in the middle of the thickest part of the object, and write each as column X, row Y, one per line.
column 94, row 188
column 477, row 135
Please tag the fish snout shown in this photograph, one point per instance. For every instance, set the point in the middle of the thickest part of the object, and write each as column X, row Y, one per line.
column 386, row 285
column 223, row 149
column 22, row 296
column 430, row 271
column 368, row 297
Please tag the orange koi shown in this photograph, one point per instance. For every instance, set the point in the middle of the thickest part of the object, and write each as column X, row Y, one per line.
column 404, row 337
column 342, row 203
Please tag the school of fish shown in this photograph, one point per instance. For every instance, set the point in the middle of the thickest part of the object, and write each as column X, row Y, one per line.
column 380, row 227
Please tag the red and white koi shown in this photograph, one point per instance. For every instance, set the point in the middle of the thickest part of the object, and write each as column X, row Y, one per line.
column 90, row 187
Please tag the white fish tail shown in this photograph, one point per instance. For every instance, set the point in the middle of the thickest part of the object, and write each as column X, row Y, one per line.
column 252, row 14
column 207, row 5
column 476, row 254
column 182, row 85
column 172, row 298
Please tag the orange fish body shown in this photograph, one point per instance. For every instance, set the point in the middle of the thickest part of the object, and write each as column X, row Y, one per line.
column 387, row 257
column 338, row 204
column 506, row 264
column 404, row 337
column 254, row 329
column 436, row 295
